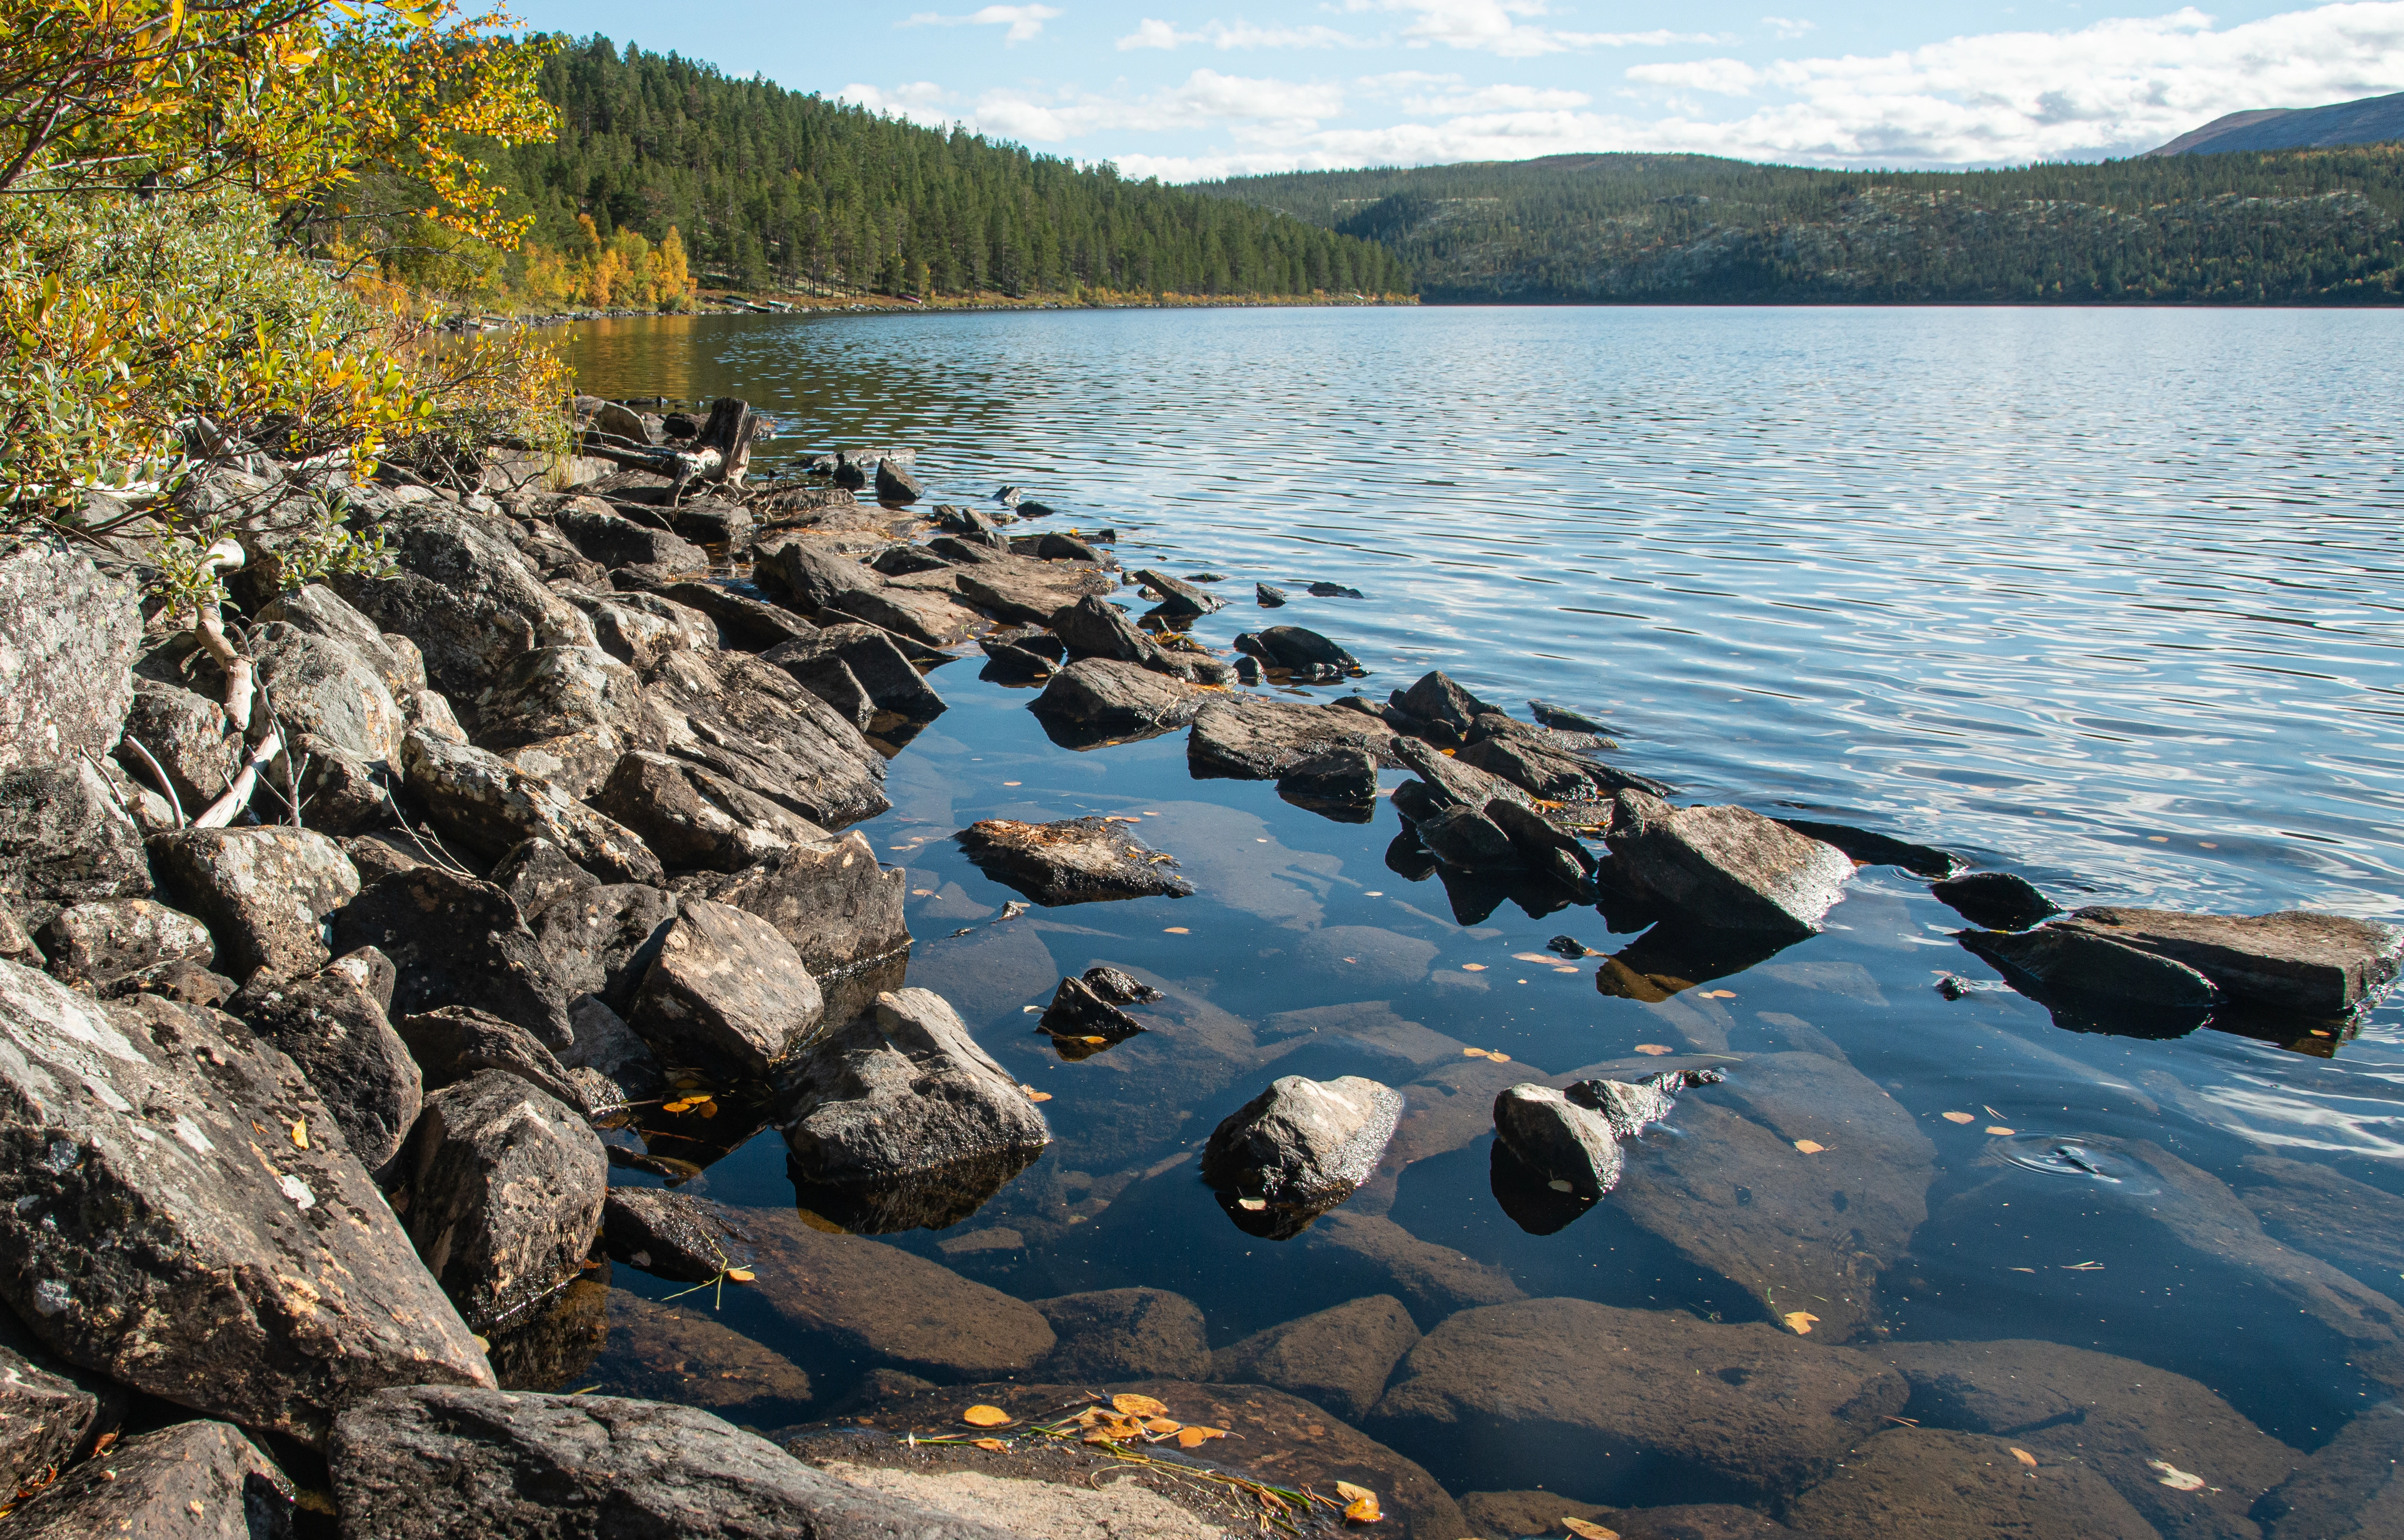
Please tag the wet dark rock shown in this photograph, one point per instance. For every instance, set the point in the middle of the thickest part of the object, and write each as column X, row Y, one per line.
column 1956, row 1486
column 1118, row 986
column 971, row 524
column 190, row 1481
column 1876, row 849
column 728, row 990
column 1544, row 769
column 1078, row 1011
column 1054, row 546
column 1540, row 845
column 1249, row 737
column 828, row 896
column 1266, row 597
column 190, row 1266
column 1466, row 838
column 671, row 1352
column 606, row 535
column 1340, row 1358
column 1248, row 670
column 1565, row 718
column 2296, row 960
column 1953, row 987
column 103, row 941
column 1571, row 1138
column 1437, row 697
column 333, row 1026
column 263, row 892
column 429, row 1464
column 1995, row 901
column 1104, row 694
column 2097, row 979
column 690, row 817
column 1347, row 776
column 890, row 1307
column 43, row 1420
column 813, row 573
column 741, row 622
column 1433, row 1280
column 1293, row 648
column 505, row 1192
column 959, row 551
column 1569, row 947
column 459, row 1043
column 1093, row 627
column 904, row 1090
column 1015, row 659
column 1074, row 861
column 185, row 982
column 871, row 659
column 934, row 1199
column 1726, row 866
column 1335, row 590
column 2129, row 1422
column 66, row 682
column 2347, row 1488
column 896, row 485
column 537, row 871
column 468, row 600
column 1126, row 1334
column 1650, row 1401
column 758, row 727
column 1299, row 1148
column 1179, row 600
column 188, row 735
column 1447, row 782
column 672, row 1234
column 64, row 839
column 488, row 806
column 609, row 1065
column 900, row 561
column 457, row 941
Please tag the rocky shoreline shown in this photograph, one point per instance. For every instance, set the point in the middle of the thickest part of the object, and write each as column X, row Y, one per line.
column 353, row 932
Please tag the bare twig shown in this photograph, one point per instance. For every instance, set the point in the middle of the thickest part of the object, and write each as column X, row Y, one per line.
column 158, row 777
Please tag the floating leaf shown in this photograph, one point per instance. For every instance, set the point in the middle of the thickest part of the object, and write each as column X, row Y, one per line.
column 1960, row 1117
column 1175, row 930
column 2024, row 1458
column 1545, row 958
column 1809, row 1146
column 1034, row 1095
column 994, row 1444
column 1363, row 1509
column 676, row 1107
column 2000, row 1131
column 1655, row 1049
column 1251, row 1205
column 1716, row 994
column 984, row 1417
column 738, row 1275
column 1585, row 1531
column 2174, row 1478
column 1800, row 1322
column 1557, row 1186
column 1194, row 1438
column 1474, row 1053
column 1140, row 1406
column 1473, row 967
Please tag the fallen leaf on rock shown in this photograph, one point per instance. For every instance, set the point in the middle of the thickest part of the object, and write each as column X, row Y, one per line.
column 1960, row 1117
column 1809, row 1146
column 1194, row 1438
column 1352, row 1493
column 2174, row 1478
column 1557, row 1186
column 1160, row 1424
column 301, row 1132
column 994, row 1444
column 1800, row 1322
column 1655, row 1049
column 2001, row 1132
column 984, row 1417
column 1716, row 994
column 1362, row 1511
column 484, row 1342
column 2024, row 1458
column 739, row 1275
column 1034, row 1095
column 1139, row 1406
column 1586, row 1530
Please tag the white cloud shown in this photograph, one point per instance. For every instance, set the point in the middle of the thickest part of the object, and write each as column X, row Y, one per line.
column 1505, row 27
column 1494, row 99
column 1787, row 26
column 920, row 100
column 1026, row 22
column 1723, row 76
column 1149, row 34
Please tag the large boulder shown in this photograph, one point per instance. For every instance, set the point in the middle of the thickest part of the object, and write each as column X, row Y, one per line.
column 903, row 1092
column 1300, row 1147
column 1074, row 861
column 67, row 639
column 320, row 611
column 742, row 620
column 186, row 734
column 505, row 1192
column 1023, row 590
column 264, row 892
column 102, row 942
column 468, row 599
column 458, row 1043
column 457, row 941
column 1107, row 696
column 866, row 657
column 608, row 537
column 489, row 806
column 156, row 1234
column 756, row 725
column 1299, row 650
column 1727, row 867
column 830, row 898
column 1612, row 1404
column 1126, row 1334
column 2296, row 960
column 66, row 839
column 812, row 572
column 1253, row 738
column 642, row 629
column 1340, row 1358
column 190, row 1481
column 728, row 990
column 602, row 939
column 328, row 692
column 564, row 713
column 691, row 817
column 333, row 1025
column 2095, row 976
column 432, row 1463
column 1957, row 1486
column 929, row 620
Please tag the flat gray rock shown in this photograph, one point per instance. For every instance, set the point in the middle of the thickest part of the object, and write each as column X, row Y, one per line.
column 1727, row 867
column 757, row 726
column 161, row 1238
column 1074, row 861
column 728, row 990
column 320, row 611
column 1108, row 695
column 65, row 680
column 1253, row 738
column 2296, row 960
column 431, row 1464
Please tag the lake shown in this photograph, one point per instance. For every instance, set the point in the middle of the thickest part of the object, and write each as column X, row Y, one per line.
column 2106, row 598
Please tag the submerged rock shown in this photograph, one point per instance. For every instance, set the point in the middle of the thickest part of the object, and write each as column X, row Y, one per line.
column 728, row 989
column 1726, row 866
column 673, row 1353
column 2348, row 1487
column 190, row 1481
column 2094, row 983
column 1340, row 1358
column 1298, row 1149
column 1956, row 1486
column 1074, row 861
column 158, row 1235
column 1995, row 901
column 1126, row 1334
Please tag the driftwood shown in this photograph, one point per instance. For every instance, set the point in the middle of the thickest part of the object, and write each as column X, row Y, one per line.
column 721, row 453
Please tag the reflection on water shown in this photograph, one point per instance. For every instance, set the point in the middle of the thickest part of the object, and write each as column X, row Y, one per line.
column 2108, row 599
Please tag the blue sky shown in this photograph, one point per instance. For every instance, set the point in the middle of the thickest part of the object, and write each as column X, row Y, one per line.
column 1190, row 88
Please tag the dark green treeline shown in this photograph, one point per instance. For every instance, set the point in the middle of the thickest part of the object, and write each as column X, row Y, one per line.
column 768, row 186
column 2299, row 227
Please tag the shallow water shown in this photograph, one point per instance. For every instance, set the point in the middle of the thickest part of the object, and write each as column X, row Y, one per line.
column 2106, row 598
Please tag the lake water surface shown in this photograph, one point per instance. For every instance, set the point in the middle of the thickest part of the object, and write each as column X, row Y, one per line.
column 2108, row 598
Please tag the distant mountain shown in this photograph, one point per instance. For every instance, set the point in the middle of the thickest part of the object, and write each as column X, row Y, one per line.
column 2295, row 227
column 2372, row 121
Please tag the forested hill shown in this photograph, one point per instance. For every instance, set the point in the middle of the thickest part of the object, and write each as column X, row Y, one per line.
column 770, row 188
column 2306, row 227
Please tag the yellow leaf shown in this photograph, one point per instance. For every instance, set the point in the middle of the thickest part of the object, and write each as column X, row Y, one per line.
column 2024, row 1458
column 1139, row 1406
column 1800, row 1322
column 1960, row 1117
column 1352, row 1493
column 1500, row 1058
column 1194, row 1438
column 984, row 1417
column 994, row 1444
column 738, row 1275
column 1175, row 930
column 1655, row 1049
column 1585, row 1531
column 1251, row 1205
column 2000, row 1132
column 1474, row 1053
column 1034, row 1095
column 1473, row 967
column 676, row 1106
column 1362, row 1511
column 1809, row 1146
column 300, row 1124
column 1160, row 1424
